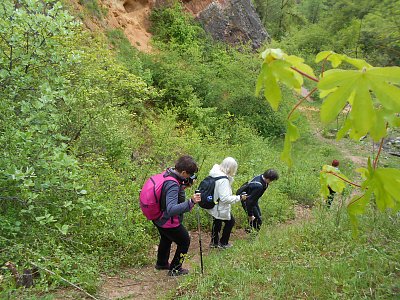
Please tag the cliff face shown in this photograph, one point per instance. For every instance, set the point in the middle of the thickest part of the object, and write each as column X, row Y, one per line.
column 230, row 21
column 233, row 22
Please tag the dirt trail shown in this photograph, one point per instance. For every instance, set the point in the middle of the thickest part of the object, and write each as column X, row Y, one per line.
column 312, row 114
column 147, row 283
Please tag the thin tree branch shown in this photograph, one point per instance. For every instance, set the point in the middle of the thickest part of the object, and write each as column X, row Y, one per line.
column 304, row 74
column 301, row 101
column 50, row 272
column 323, row 65
column 354, row 201
column 345, row 180
column 379, row 151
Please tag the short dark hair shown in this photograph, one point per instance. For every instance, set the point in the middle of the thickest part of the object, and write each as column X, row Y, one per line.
column 335, row 163
column 271, row 174
column 186, row 163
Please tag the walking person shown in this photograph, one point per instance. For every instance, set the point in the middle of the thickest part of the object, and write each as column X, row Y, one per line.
column 169, row 225
column 255, row 189
column 331, row 196
column 221, row 212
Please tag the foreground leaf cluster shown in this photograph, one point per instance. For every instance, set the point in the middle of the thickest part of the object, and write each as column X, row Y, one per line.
column 371, row 95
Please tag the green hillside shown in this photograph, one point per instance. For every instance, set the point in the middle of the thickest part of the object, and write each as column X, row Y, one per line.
column 85, row 119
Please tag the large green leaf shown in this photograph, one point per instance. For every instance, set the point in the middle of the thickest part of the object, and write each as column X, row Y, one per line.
column 345, row 128
column 278, row 67
column 283, row 73
column 337, row 59
column 388, row 95
column 357, row 206
column 378, row 129
column 336, row 78
column 387, row 74
column 335, row 103
column 292, row 134
column 355, row 87
column 272, row 92
column 363, row 114
column 384, row 184
column 331, row 176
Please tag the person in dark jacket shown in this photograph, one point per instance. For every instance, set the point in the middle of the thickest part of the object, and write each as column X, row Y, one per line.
column 169, row 225
column 255, row 189
column 335, row 164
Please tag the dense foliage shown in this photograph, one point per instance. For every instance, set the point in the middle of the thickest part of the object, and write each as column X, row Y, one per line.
column 85, row 119
column 362, row 29
column 81, row 129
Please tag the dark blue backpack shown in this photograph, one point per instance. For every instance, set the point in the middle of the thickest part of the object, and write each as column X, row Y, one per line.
column 206, row 189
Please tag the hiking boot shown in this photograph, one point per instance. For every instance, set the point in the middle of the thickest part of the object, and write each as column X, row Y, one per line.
column 226, row 246
column 215, row 246
column 160, row 267
column 178, row 272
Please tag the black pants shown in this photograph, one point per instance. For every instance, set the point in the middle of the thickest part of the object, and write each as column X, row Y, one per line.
column 257, row 222
column 226, row 232
column 180, row 236
column 330, row 197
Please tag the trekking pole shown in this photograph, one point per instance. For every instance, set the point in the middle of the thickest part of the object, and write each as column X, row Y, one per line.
column 199, row 231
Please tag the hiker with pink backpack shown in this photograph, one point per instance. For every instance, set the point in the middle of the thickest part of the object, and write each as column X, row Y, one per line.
column 163, row 200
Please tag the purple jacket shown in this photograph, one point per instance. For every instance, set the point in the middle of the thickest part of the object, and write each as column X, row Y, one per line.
column 174, row 204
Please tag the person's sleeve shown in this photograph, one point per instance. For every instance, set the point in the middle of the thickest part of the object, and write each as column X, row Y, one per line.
column 174, row 208
column 225, row 192
column 254, row 194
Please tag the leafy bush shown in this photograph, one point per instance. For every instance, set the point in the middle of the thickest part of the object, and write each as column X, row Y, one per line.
column 128, row 55
column 171, row 25
column 204, row 78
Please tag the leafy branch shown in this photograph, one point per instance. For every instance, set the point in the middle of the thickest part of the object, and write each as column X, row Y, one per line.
column 344, row 179
column 373, row 96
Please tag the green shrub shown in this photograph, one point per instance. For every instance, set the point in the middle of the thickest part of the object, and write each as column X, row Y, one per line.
column 94, row 8
column 128, row 55
column 171, row 25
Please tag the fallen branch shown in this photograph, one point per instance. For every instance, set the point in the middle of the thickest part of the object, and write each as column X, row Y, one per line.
column 394, row 154
column 67, row 281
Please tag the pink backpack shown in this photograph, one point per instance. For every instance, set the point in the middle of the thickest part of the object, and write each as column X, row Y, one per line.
column 150, row 195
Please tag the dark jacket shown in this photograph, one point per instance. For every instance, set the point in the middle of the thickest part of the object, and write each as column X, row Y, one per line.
column 173, row 203
column 255, row 190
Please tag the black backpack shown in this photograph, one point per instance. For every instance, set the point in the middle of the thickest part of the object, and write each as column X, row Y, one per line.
column 244, row 186
column 206, row 189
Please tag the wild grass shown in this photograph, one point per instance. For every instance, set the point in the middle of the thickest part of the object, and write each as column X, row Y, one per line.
column 319, row 259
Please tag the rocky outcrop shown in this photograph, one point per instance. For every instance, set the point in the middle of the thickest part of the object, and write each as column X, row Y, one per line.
column 234, row 22
column 231, row 21
column 131, row 16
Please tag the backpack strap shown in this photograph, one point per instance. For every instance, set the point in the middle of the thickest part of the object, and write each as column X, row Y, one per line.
column 216, row 179
column 173, row 178
column 255, row 182
column 220, row 177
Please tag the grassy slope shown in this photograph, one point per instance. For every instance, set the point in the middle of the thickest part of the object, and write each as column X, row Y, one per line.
column 316, row 260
